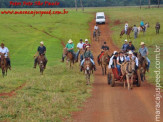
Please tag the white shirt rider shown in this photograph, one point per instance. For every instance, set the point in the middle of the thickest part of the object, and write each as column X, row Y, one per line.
column 96, row 27
column 126, row 26
column 80, row 45
column 4, row 51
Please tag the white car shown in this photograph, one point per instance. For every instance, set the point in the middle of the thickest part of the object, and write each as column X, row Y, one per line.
column 100, row 18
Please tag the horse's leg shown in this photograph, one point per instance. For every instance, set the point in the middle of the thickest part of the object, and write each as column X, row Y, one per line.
column 102, row 69
column 6, row 72
column 128, row 82
column 124, row 83
column 132, row 81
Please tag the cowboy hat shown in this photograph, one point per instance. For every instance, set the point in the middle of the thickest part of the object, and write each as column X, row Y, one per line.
column 130, row 52
column 125, row 40
column 142, row 43
column 87, row 46
column 70, row 41
column 86, row 40
column 115, row 52
column 41, row 42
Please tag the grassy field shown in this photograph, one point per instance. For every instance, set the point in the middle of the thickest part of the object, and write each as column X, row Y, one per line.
column 60, row 91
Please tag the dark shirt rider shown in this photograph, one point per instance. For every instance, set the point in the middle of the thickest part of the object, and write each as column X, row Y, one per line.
column 41, row 51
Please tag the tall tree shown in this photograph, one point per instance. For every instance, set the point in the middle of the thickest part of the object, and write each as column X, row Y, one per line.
column 81, row 3
column 149, row 3
column 76, row 6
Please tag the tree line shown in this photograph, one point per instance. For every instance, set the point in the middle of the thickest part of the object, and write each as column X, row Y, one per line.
column 83, row 3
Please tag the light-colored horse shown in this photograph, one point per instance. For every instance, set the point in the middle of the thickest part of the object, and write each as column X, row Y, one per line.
column 104, row 62
column 69, row 57
column 87, row 70
column 140, row 29
column 128, row 70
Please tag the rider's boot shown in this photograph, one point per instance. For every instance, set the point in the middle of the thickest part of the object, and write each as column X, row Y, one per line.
column 62, row 59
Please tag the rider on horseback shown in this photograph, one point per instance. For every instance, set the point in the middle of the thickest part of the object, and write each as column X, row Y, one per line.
column 142, row 24
column 144, row 52
column 130, row 47
column 103, row 48
column 70, row 48
column 126, row 27
column 96, row 27
column 87, row 54
column 124, row 47
column 4, row 50
column 84, row 48
column 80, row 47
column 41, row 51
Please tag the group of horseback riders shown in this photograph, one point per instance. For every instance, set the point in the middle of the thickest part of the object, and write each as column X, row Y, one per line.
column 82, row 47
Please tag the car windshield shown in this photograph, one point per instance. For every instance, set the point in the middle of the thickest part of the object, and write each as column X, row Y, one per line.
column 100, row 17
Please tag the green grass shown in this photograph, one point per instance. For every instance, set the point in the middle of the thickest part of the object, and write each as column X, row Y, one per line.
column 53, row 96
column 60, row 90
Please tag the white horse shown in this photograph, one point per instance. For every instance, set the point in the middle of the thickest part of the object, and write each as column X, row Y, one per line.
column 140, row 29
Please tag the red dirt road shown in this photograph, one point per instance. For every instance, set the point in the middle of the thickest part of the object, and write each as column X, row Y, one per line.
column 116, row 104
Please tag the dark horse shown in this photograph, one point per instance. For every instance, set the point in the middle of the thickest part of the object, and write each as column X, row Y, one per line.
column 41, row 63
column 142, row 66
column 128, row 32
column 3, row 65
column 96, row 35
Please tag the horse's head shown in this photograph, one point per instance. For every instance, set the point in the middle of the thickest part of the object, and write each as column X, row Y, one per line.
column 2, row 59
column 130, row 66
column 87, row 64
column 41, row 60
column 64, row 51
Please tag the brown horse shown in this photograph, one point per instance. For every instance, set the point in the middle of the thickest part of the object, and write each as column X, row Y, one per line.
column 96, row 35
column 3, row 65
column 88, row 68
column 69, row 56
column 104, row 61
column 142, row 66
column 41, row 63
column 128, row 32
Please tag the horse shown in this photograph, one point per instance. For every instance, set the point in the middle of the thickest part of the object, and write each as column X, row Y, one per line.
column 128, row 32
column 3, row 65
column 130, row 69
column 88, row 68
column 143, row 28
column 104, row 61
column 41, row 63
column 142, row 66
column 96, row 35
column 69, row 56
